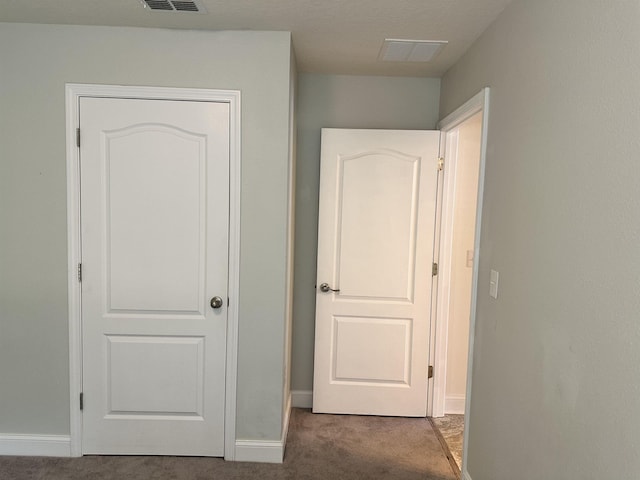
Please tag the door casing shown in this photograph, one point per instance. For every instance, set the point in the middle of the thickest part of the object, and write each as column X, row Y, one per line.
column 74, row 245
column 478, row 103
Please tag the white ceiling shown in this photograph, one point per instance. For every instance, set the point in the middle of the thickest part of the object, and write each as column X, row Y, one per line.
column 329, row 36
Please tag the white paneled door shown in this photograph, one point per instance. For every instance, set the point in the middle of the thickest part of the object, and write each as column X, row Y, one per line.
column 154, row 226
column 375, row 252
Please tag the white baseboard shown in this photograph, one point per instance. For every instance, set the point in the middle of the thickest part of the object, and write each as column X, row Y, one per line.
column 265, row 451
column 35, row 445
column 259, row 451
column 302, row 398
column 466, row 476
column 60, row 445
column 454, row 404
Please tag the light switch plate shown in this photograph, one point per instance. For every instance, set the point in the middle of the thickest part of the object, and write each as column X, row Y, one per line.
column 493, row 284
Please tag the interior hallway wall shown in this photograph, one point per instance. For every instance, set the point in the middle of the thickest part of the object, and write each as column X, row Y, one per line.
column 340, row 101
column 555, row 390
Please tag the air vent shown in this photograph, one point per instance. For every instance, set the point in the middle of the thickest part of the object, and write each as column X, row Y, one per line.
column 397, row 50
column 185, row 6
column 175, row 6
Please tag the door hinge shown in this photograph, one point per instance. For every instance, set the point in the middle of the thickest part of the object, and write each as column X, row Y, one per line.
column 81, row 401
column 440, row 164
column 78, row 137
column 434, row 269
column 430, row 374
column 80, row 272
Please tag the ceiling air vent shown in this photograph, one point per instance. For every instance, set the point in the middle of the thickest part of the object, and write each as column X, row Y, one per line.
column 176, row 6
column 400, row 50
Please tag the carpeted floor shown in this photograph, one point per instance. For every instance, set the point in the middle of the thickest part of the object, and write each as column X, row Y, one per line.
column 333, row 447
column 451, row 427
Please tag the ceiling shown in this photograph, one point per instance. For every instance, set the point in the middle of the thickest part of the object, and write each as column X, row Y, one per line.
column 329, row 36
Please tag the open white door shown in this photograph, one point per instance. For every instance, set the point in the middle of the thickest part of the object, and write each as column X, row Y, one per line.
column 375, row 254
column 154, row 219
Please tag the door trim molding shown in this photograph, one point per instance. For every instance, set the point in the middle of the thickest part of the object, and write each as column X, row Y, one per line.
column 73, row 93
column 478, row 103
column 446, row 198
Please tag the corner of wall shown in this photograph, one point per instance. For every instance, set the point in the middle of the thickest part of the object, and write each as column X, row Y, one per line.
column 290, row 241
column 302, row 398
column 265, row 451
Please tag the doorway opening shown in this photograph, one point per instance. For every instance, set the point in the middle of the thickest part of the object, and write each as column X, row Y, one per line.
column 463, row 144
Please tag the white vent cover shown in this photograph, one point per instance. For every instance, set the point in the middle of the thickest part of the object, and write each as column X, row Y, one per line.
column 175, row 6
column 397, row 50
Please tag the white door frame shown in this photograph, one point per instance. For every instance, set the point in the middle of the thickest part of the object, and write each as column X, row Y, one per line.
column 478, row 103
column 442, row 282
column 73, row 94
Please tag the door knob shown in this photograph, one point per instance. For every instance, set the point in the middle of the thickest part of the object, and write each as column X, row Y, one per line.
column 324, row 287
column 216, row 302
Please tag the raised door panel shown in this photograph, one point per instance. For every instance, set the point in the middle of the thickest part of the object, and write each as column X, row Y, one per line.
column 148, row 376
column 155, row 201
column 377, row 208
column 383, row 359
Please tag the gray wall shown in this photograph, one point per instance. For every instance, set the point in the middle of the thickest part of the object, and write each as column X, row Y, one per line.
column 555, row 378
column 37, row 61
column 341, row 102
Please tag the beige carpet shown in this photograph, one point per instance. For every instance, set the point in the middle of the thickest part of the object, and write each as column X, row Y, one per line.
column 334, row 447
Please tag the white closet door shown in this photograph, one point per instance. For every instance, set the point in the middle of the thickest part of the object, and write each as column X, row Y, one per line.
column 154, row 215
